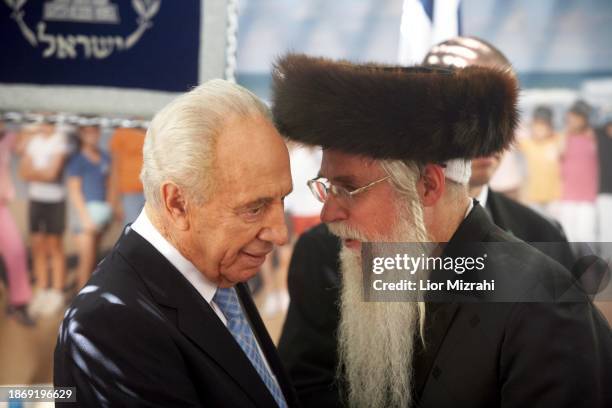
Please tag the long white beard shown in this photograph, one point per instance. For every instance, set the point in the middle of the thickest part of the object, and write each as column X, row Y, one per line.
column 376, row 339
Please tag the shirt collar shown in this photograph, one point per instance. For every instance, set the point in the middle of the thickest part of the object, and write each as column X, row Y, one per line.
column 483, row 196
column 147, row 230
column 469, row 209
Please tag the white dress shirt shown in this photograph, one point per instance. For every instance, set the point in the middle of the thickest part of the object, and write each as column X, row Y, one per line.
column 483, row 196
column 205, row 288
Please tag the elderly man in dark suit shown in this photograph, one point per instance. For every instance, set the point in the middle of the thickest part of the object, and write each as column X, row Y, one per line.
column 396, row 148
column 166, row 319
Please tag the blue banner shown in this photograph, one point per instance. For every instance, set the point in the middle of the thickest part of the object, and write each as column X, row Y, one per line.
column 137, row 45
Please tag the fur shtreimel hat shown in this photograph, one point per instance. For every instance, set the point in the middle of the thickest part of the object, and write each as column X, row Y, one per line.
column 385, row 112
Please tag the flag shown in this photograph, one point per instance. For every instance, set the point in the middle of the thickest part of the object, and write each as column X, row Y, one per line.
column 426, row 23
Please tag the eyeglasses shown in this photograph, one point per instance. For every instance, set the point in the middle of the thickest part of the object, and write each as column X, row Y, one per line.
column 321, row 188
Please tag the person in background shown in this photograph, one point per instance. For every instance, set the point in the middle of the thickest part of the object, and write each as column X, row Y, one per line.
column 44, row 155
column 579, row 175
column 604, row 205
column 522, row 222
column 127, row 195
column 508, row 178
column 542, row 152
column 88, row 171
column 604, row 197
column 12, row 250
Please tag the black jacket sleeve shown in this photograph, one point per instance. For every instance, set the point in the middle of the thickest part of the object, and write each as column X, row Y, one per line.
column 308, row 342
column 97, row 357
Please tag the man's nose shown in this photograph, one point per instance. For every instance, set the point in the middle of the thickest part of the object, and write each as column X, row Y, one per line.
column 333, row 211
column 276, row 232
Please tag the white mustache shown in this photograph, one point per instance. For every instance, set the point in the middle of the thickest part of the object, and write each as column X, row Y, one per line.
column 343, row 231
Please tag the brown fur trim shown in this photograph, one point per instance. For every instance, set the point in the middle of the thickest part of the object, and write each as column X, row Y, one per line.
column 395, row 113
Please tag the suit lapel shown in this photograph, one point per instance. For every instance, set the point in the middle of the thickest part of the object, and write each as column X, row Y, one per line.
column 499, row 216
column 196, row 319
column 208, row 332
column 440, row 316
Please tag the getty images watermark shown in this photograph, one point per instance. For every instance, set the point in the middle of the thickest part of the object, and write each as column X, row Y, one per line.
column 487, row 272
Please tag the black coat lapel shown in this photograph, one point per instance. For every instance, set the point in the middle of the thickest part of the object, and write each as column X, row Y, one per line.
column 216, row 341
column 500, row 217
column 439, row 316
column 196, row 319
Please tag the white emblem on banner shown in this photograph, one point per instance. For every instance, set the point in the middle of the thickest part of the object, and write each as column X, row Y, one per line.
column 92, row 11
column 61, row 46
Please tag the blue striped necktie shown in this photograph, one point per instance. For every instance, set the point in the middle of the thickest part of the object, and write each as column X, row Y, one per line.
column 227, row 300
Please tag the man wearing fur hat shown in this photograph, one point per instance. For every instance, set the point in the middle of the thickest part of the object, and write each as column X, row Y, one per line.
column 396, row 149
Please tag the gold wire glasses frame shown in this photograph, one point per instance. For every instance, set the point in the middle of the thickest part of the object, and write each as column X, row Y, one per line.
column 321, row 189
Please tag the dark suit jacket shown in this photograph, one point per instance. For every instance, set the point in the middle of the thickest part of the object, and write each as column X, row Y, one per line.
column 477, row 355
column 141, row 335
column 308, row 342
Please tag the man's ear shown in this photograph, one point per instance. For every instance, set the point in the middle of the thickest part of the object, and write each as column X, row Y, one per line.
column 432, row 184
column 175, row 204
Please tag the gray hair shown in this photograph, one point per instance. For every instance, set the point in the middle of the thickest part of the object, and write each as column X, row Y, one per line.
column 404, row 176
column 181, row 139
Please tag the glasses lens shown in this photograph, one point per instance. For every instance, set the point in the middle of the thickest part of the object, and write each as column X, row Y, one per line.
column 318, row 189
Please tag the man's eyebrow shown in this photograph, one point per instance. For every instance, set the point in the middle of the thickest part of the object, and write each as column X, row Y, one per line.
column 257, row 202
column 260, row 201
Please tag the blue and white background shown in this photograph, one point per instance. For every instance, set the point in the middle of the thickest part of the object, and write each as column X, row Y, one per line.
column 553, row 44
column 156, row 48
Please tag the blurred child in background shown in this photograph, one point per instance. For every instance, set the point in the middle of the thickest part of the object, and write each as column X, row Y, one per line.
column 604, row 197
column 127, row 195
column 579, row 175
column 42, row 166
column 88, row 171
column 542, row 151
column 12, row 250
